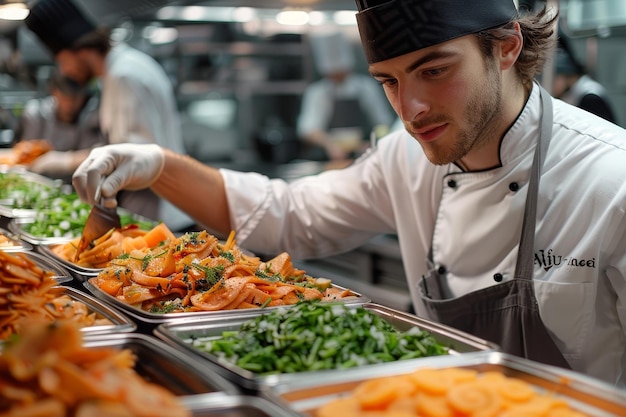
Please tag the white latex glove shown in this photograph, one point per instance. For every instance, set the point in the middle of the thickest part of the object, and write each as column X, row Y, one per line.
column 124, row 166
column 54, row 162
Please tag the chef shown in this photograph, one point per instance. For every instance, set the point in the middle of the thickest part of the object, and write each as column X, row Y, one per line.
column 137, row 101
column 509, row 206
column 339, row 111
column 68, row 120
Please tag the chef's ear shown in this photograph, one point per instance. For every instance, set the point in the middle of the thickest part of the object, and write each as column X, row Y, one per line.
column 510, row 48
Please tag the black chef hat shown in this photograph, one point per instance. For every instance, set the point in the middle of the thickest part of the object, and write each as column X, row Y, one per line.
column 390, row 28
column 58, row 23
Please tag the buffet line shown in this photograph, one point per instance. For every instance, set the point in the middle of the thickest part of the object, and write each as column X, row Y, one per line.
column 145, row 322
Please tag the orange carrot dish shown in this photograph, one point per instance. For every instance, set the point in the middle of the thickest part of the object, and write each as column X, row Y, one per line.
column 28, row 292
column 447, row 392
column 112, row 244
column 46, row 371
column 197, row 272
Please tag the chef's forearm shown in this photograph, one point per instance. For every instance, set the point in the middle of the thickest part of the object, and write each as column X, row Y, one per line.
column 196, row 189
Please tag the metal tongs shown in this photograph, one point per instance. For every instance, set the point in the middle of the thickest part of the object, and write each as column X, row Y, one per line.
column 100, row 220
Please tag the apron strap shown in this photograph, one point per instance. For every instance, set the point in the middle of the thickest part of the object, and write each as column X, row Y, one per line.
column 524, row 267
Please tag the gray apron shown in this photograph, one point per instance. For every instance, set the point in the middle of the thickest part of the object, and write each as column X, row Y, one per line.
column 347, row 112
column 508, row 313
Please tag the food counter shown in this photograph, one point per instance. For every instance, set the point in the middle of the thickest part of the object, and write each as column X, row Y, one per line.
column 339, row 340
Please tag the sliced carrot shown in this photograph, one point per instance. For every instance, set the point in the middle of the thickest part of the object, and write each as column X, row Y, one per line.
column 475, row 398
column 159, row 233
column 515, row 389
column 341, row 407
column 131, row 243
column 109, row 286
column 433, row 405
column 224, row 294
column 377, row 394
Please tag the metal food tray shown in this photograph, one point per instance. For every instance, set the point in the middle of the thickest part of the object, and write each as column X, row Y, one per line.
column 220, row 404
column 119, row 322
column 15, row 243
column 156, row 319
column 60, row 274
column 80, row 272
column 180, row 334
column 161, row 364
column 6, row 207
column 587, row 395
column 16, row 226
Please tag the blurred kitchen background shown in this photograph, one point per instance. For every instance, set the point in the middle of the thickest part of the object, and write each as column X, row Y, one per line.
column 240, row 68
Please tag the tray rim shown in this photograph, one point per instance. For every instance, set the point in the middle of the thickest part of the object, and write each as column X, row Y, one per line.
column 21, row 245
column 604, row 393
column 22, row 170
column 62, row 276
column 82, row 272
column 156, row 319
column 169, row 333
column 121, row 323
column 16, row 229
column 217, row 401
column 180, row 357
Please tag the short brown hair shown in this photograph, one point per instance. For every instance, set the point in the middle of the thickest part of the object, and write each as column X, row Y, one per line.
column 537, row 31
column 99, row 39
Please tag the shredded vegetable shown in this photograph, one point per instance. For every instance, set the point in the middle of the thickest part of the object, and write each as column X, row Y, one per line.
column 314, row 336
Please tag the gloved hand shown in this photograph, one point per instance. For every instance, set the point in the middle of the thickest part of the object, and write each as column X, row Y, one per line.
column 123, row 166
column 54, row 162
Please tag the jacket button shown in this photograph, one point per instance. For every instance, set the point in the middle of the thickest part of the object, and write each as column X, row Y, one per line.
column 441, row 270
column 451, row 183
column 497, row 277
column 514, row 186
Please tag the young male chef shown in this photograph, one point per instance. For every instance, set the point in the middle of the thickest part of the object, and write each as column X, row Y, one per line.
column 137, row 98
column 509, row 205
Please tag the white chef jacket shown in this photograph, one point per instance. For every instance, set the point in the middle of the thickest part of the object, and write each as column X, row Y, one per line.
column 316, row 110
column 580, row 249
column 138, row 106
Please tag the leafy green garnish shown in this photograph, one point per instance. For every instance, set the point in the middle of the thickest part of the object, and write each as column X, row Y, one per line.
column 313, row 336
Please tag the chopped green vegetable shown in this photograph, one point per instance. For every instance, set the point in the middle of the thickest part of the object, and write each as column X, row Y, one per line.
column 314, row 336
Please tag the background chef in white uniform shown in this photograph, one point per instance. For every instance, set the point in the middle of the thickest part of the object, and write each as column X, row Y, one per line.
column 339, row 111
column 573, row 85
column 137, row 103
column 68, row 120
column 453, row 185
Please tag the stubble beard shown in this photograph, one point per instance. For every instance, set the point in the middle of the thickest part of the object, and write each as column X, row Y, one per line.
column 481, row 115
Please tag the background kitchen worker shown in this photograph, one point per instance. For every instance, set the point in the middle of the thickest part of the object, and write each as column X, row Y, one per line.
column 573, row 85
column 68, row 120
column 453, row 185
column 137, row 103
column 339, row 111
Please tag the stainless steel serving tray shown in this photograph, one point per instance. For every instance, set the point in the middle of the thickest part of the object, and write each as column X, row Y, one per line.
column 61, row 275
column 7, row 207
column 119, row 322
column 587, row 395
column 15, row 244
column 226, row 405
column 181, row 334
column 164, row 365
column 17, row 227
column 156, row 319
column 80, row 272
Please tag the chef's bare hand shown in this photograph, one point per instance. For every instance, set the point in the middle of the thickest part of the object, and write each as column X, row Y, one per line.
column 124, row 166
